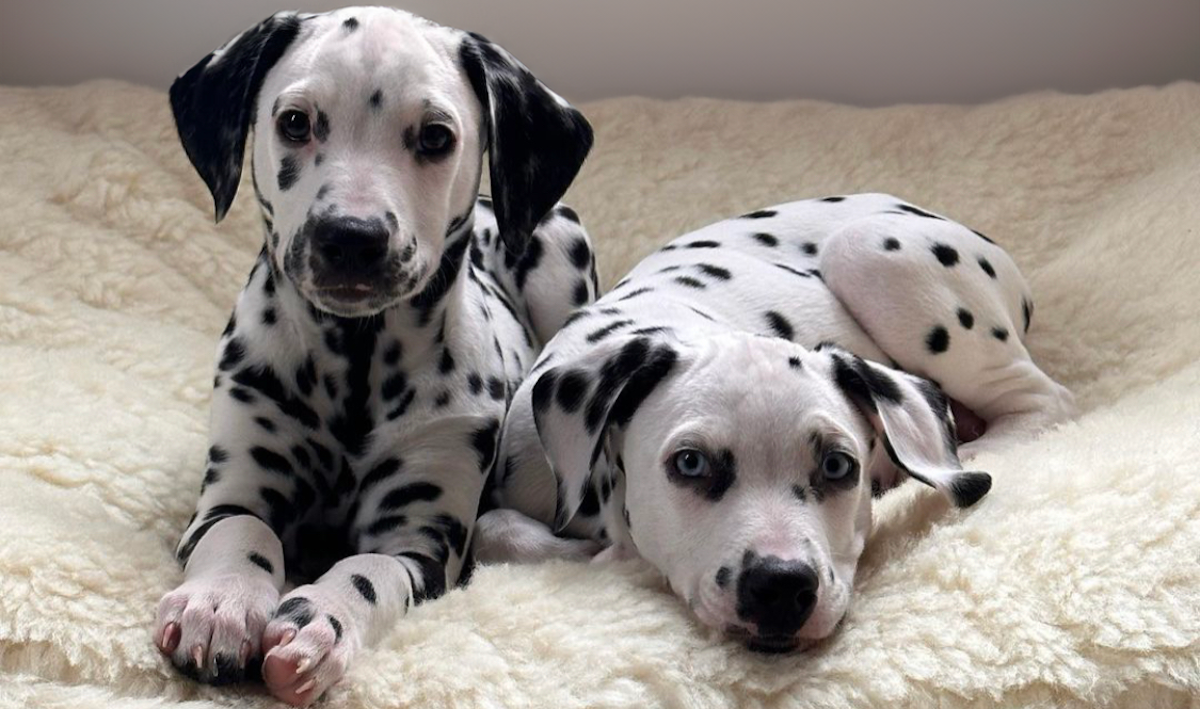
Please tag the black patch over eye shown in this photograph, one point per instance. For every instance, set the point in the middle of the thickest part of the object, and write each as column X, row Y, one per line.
column 690, row 463
column 294, row 127
column 435, row 139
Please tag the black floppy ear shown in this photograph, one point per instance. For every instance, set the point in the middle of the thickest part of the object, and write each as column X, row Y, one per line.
column 214, row 102
column 913, row 418
column 536, row 141
column 574, row 404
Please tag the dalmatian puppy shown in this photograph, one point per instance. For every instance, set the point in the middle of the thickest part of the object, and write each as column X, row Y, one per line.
column 390, row 316
column 727, row 410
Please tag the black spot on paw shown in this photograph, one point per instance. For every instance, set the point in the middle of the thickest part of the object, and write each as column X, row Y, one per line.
column 298, row 610
column 365, row 588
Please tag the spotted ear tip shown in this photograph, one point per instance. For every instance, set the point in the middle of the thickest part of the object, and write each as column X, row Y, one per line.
column 968, row 488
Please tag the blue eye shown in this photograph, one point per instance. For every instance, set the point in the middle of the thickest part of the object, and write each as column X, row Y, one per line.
column 691, row 463
column 836, row 465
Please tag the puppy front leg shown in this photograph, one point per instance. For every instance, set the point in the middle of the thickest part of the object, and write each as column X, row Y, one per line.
column 413, row 525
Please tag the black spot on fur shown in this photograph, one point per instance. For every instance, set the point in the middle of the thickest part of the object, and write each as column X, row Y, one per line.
column 795, row 363
column 760, row 214
column 938, row 340
column 580, row 253
column 365, row 588
column 391, row 356
column 946, row 255
column 401, row 408
column 446, row 363
column 891, row 244
column 1000, row 333
column 350, row 24
column 800, row 493
column 376, row 99
column 982, row 236
column 580, row 294
column 809, row 248
column 408, row 494
column 261, row 562
column 766, row 239
column 337, row 628
column 232, row 355
column 264, row 380
column 432, row 574
column 690, row 282
column 265, row 423
column 635, row 293
column 483, row 440
column 1027, row 312
column 217, row 455
column 717, row 272
column 987, row 267
column 703, row 244
column 722, row 578
column 965, row 318
column 394, row 386
column 496, row 388
column 380, row 472
column 779, row 325
column 601, row 333
column 918, row 212
column 321, row 127
column 271, row 461
column 289, row 172
column 832, row 200
column 572, row 389
column 298, row 610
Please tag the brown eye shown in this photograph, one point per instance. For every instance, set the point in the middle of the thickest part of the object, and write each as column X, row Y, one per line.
column 435, row 139
column 294, row 127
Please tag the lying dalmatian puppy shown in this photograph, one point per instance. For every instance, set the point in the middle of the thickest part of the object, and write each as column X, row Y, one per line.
column 392, row 312
column 726, row 411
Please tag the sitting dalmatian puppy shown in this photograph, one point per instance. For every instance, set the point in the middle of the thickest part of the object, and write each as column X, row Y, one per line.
column 390, row 316
column 727, row 410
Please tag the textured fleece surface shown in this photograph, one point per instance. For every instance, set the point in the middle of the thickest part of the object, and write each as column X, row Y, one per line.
column 1075, row 583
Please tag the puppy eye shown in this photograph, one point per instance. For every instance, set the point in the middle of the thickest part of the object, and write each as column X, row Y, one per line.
column 836, row 465
column 691, row 463
column 294, row 127
column 435, row 139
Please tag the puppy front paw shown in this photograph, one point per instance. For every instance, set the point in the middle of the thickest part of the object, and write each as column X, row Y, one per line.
column 211, row 628
column 308, row 645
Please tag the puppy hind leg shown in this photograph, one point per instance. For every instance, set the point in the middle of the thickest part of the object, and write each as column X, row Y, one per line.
column 950, row 306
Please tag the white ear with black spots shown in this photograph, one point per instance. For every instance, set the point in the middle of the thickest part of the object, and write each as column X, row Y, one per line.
column 214, row 102
column 536, row 141
column 574, row 405
column 912, row 417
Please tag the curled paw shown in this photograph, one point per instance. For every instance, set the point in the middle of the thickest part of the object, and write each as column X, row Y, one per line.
column 307, row 648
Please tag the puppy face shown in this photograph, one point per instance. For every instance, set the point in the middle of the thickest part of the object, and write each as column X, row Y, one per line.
column 370, row 125
column 748, row 464
column 747, row 486
column 367, row 150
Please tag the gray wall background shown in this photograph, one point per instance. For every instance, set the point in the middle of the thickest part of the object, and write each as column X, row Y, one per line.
column 868, row 52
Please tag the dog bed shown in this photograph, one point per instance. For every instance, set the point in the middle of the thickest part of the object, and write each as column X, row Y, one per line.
column 1075, row 583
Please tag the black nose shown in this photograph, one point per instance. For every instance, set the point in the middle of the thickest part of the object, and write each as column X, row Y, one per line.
column 351, row 245
column 777, row 595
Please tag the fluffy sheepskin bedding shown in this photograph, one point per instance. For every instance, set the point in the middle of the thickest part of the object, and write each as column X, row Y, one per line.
column 1075, row 583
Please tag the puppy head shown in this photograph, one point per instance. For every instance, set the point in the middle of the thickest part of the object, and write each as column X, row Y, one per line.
column 748, row 464
column 370, row 126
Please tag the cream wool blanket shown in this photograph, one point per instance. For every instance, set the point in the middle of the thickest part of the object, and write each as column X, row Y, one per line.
column 1075, row 583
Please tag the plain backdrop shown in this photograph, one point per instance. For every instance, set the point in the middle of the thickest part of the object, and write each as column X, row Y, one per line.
column 867, row 52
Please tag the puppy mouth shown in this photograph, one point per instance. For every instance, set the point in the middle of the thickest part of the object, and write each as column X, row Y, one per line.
column 348, row 292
